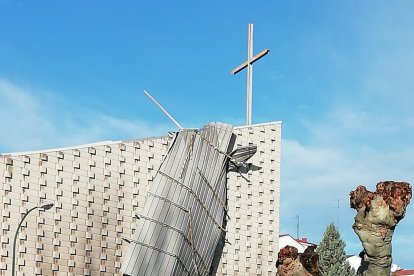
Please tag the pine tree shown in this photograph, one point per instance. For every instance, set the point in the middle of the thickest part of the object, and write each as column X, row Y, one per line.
column 331, row 251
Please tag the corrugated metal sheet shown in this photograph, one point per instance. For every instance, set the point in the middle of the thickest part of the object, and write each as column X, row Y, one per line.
column 181, row 224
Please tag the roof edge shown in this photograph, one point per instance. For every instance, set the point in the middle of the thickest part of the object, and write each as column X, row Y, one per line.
column 111, row 142
column 260, row 124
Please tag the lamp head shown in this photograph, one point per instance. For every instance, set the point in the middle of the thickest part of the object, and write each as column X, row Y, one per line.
column 45, row 205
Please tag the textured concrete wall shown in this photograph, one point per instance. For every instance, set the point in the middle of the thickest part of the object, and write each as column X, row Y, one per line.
column 98, row 189
column 253, row 202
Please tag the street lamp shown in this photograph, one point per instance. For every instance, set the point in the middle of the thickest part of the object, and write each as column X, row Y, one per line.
column 46, row 205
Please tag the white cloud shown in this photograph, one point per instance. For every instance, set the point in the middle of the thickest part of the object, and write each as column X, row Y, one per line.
column 22, row 119
column 325, row 168
column 364, row 136
column 37, row 120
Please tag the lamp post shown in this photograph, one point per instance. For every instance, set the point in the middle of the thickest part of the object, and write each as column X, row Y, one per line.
column 46, row 205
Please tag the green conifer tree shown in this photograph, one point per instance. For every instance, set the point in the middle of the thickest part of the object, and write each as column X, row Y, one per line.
column 331, row 251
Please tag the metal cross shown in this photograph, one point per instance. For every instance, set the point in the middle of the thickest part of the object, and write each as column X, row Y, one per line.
column 250, row 60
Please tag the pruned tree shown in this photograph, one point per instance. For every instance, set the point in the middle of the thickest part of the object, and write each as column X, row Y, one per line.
column 331, row 251
column 378, row 215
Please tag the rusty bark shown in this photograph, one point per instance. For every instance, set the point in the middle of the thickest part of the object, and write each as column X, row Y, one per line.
column 309, row 259
column 377, row 216
column 288, row 263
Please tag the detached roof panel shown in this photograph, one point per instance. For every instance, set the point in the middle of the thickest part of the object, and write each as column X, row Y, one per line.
column 182, row 220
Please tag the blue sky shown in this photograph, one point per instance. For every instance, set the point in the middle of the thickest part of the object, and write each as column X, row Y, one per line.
column 340, row 75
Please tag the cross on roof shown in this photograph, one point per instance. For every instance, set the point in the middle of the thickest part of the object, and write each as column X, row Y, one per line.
column 250, row 60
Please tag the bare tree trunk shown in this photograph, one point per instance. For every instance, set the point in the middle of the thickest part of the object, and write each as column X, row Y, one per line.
column 378, row 214
column 310, row 260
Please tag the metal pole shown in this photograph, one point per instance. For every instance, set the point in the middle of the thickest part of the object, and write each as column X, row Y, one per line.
column 249, row 75
column 297, row 226
column 163, row 110
column 15, row 240
column 338, row 214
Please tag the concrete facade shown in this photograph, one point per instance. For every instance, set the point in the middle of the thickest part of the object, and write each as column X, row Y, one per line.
column 97, row 190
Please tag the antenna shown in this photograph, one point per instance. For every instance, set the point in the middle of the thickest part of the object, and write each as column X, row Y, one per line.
column 163, row 110
column 338, row 213
column 297, row 226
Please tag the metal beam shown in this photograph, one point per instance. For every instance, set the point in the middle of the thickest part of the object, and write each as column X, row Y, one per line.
column 163, row 110
column 249, row 83
column 249, row 65
column 254, row 59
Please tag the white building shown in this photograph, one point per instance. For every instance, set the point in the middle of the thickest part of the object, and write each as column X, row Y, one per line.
column 299, row 244
column 97, row 190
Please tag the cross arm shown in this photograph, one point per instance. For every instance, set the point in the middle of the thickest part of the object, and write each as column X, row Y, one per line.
column 253, row 60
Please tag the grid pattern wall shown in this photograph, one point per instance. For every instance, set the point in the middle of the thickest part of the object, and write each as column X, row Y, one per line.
column 253, row 204
column 98, row 190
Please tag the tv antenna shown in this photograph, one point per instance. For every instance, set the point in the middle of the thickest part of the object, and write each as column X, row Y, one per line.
column 338, row 212
column 297, row 226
